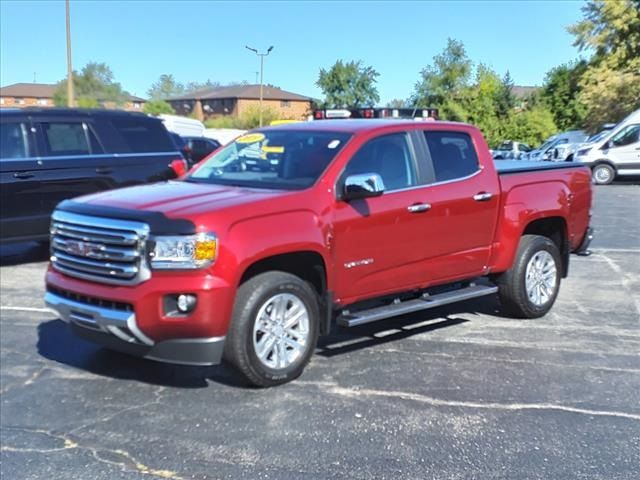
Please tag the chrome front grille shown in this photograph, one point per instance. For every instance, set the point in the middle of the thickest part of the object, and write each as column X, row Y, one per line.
column 100, row 249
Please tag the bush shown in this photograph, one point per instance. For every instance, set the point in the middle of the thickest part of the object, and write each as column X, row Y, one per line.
column 157, row 107
column 249, row 119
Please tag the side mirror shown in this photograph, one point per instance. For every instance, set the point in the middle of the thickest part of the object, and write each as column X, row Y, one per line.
column 363, row 185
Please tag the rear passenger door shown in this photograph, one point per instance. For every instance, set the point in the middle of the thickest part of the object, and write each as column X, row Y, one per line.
column 72, row 162
column 463, row 200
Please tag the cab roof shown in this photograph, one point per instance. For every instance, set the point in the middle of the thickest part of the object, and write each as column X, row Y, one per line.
column 358, row 125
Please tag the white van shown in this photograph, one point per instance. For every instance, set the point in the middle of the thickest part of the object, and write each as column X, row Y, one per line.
column 616, row 153
column 183, row 126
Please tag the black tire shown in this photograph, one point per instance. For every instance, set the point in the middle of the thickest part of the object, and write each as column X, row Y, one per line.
column 603, row 174
column 512, row 284
column 253, row 295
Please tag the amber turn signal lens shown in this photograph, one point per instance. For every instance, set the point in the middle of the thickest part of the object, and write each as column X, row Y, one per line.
column 205, row 250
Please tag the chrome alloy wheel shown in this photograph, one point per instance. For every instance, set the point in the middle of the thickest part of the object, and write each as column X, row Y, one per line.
column 280, row 331
column 541, row 278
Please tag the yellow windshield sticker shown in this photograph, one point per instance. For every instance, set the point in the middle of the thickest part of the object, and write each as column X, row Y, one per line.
column 250, row 138
column 273, row 149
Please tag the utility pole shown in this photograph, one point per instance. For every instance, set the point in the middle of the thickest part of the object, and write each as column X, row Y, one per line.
column 261, row 55
column 70, row 99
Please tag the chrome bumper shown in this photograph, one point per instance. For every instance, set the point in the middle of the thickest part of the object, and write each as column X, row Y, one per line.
column 117, row 329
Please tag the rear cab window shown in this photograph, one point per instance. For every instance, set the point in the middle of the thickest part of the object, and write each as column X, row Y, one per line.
column 453, row 155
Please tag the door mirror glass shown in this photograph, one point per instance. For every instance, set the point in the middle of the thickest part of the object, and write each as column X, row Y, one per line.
column 362, row 185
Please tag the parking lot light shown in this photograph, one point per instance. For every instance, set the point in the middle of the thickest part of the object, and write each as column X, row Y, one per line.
column 261, row 55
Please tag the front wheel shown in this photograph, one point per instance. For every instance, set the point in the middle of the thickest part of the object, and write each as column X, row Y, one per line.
column 274, row 328
column 603, row 174
column 529, row 289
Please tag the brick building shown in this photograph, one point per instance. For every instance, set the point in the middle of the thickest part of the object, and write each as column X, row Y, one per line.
column 21, row 95
column 235, row 100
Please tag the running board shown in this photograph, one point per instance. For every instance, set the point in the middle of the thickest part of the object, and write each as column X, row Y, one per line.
column 352, row 319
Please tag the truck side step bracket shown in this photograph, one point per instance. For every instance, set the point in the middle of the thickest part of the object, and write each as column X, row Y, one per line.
column 353, row 319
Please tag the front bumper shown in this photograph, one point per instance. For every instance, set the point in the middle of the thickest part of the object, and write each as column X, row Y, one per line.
column 117, row 328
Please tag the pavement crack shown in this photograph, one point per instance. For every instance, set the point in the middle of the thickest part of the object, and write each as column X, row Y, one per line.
column 121, row 458
column 156, row 401
column 335, row 389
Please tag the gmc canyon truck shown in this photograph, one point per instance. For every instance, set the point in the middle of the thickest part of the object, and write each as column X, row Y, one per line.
column 360, row 220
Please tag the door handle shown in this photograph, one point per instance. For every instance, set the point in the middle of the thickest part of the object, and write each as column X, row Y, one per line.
column 419, row 207
column 23, row 175
column 104, row 170
column 482, row 197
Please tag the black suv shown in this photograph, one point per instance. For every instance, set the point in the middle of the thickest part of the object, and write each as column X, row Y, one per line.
column 49, row 155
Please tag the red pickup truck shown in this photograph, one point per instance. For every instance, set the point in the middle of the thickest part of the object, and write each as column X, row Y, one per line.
column 290, row 229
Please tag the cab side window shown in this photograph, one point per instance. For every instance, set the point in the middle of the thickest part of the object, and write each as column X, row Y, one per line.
column 390, row 157
column 452, row 153
column 13, row 141
column 627, row 136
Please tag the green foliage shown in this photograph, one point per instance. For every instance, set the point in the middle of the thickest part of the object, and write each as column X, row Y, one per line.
column 348, row 84
column 94, row 85
column 87, row 102
column 165, row 87
column 561, row 93
column 398, row 103
column 157, row 107
column 505, row 99
column 443, row 80
column 610, row 84
column 249, row 119
column 531, row 126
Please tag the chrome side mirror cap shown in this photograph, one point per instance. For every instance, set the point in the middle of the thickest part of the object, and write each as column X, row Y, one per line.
column 363, row 185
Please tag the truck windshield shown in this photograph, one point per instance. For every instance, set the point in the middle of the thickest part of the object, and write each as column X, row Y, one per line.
column 275, row 159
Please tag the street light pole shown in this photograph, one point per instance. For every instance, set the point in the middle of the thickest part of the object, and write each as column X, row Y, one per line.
column 70, row 99
column 261, row 55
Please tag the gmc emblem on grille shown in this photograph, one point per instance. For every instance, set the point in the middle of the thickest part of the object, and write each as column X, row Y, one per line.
column 84, row 249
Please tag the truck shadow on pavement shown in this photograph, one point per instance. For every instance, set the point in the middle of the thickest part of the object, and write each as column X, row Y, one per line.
column 25, row 252
column 56, row 342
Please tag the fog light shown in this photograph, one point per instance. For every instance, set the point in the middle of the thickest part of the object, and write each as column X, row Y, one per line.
column 186, row 303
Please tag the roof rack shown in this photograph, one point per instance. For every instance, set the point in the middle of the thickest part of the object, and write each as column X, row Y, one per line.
column 370, row 112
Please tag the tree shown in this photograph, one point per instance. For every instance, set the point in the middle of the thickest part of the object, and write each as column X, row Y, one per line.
column 165, row 87
column 157, row 107
column 93, row 86
column 196, row 86
column 610, row 84
column 348, row 84
column 398, row 103
column 562, row 94
column 505, row 99
column 531, row 126
column 443, row 81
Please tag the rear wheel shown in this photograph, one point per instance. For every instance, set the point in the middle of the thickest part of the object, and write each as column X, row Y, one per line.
column 603, row 174
column 274, row 329
column 529, row 289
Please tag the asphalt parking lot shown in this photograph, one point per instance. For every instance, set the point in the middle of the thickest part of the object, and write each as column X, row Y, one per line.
column 453, row 393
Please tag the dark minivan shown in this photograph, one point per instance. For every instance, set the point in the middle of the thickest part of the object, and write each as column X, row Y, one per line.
column 49, row 155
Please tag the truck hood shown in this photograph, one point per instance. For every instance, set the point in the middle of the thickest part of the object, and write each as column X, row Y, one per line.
column 178, row 198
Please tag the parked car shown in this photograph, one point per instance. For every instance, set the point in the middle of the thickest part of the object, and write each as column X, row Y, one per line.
column 617, row 153
column 182, row 146
column 361, row 221
column 50, row 155
column 566, row 152
column 547, row 149
column 510, row 150
column 200, row 147
column 183, row 126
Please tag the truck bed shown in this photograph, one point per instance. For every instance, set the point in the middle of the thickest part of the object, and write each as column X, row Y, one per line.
column 519, row 166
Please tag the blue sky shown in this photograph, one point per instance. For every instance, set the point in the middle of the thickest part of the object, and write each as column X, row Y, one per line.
column 200, row 40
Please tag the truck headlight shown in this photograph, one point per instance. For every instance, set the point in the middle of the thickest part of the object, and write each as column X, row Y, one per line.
column 183, row 251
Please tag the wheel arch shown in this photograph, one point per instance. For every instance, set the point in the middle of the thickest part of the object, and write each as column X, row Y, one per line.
column 555, row 229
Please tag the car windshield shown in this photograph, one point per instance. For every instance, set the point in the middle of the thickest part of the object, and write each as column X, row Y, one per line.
column 548, row 144
column 275, row 159
column 598, row 136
